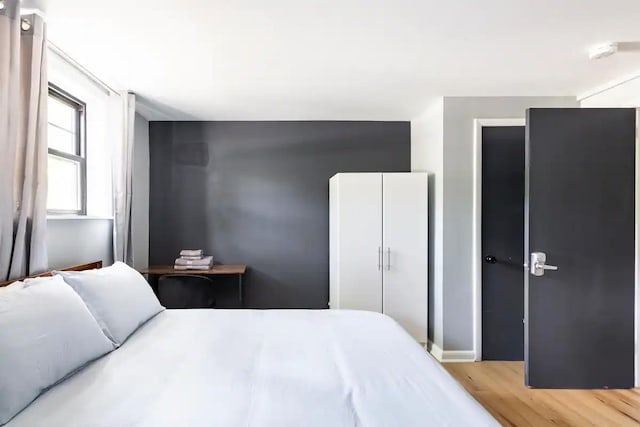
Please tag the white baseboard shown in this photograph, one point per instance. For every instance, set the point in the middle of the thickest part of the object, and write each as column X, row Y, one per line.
column 435, row 350
column 458, row 356
column 450, row 356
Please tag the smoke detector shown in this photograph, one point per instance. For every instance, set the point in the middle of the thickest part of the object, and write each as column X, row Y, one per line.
column 603, row 50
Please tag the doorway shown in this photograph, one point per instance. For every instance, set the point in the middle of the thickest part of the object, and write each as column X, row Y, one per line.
column 581, row 288
column 502, row 242
column 499, row 171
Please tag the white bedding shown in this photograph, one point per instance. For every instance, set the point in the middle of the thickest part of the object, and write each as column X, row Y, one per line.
column 261, row 368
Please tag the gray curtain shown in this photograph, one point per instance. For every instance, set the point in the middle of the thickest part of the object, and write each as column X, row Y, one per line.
column 23, row 143
column 122, row 164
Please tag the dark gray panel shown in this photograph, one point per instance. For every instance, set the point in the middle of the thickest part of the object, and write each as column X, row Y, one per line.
column 502, row 242
column 432, row 260
column 581, row 204
column 257, row 193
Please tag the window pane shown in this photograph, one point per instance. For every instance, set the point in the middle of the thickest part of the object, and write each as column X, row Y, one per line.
column 61, row 114
column 62, row 140
column 64, row 184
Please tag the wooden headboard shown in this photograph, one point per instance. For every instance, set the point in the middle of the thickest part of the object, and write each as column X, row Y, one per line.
column 81, row 267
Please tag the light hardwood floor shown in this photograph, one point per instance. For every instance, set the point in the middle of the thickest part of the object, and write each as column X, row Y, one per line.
column 499, row 387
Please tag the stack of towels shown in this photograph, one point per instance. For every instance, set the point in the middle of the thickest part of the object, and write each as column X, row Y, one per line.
column 193, row 260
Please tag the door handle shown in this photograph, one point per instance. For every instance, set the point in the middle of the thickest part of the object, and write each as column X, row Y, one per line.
column 490, row 259
column 388, row 258
column 539, row 264
column 379, row 258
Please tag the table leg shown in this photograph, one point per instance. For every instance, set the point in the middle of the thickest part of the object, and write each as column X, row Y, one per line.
column 240, row 288
column 153, row 282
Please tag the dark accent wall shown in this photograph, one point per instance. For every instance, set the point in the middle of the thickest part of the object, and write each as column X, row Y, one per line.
column 258, row 193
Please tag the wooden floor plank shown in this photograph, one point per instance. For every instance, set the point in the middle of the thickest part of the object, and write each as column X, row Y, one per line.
column 499, row 387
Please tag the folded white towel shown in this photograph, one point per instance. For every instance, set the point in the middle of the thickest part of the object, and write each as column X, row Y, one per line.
column 205, row 261
column 192, row 257
column 191, row 252
column 191, row 267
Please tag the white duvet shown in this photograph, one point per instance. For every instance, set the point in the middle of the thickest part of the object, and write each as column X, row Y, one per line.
column 261, row 368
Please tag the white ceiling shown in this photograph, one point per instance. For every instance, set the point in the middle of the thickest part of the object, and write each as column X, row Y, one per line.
column 340, row 59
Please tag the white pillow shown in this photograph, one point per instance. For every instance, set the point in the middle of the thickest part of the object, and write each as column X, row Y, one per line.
column 46, row 333
column 118, row 297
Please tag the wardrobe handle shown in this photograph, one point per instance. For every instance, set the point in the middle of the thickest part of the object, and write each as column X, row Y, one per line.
column 379, row 258
column 388, row 258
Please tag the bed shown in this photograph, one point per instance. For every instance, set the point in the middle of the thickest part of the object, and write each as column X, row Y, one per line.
column 260, row 368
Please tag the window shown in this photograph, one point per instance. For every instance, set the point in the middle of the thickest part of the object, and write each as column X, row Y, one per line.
column 67, row 163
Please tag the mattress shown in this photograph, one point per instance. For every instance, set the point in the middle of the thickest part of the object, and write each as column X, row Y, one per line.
column 261, row 368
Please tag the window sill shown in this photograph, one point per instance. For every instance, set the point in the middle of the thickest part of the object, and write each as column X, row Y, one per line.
column 64, row 217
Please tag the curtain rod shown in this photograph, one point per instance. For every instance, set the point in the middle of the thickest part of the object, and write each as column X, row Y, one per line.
column 69, row 60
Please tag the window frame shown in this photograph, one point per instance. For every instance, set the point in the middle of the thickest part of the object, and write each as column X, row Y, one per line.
column 80, row 108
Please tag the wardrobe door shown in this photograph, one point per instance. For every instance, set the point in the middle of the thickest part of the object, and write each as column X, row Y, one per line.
column 356, row 241
column 405, row 243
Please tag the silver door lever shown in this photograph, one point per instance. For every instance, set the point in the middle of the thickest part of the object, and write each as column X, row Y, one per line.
column 539, row 264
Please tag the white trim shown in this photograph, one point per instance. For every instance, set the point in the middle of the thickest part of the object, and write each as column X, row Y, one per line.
column 607, row 86
column 72, row 62
column 461, row 356
column 31, row 11
column 477, row 227
column 149, row 111
column 71, row 217
column 451, row 356
column 435, row 350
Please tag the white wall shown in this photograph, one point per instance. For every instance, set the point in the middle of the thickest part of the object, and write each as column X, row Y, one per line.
column 140, row 198
column 442, row 143
column 68, row 78
column 625, row 95
column 459, row 115
column 427, row 156
column 77, row 240
column 622, row 95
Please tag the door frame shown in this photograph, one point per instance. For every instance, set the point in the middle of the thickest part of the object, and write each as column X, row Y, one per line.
column 477, row 235
column 478, row 124
column 637, row 257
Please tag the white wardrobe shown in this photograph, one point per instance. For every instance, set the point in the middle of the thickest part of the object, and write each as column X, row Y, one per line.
column 379, row 246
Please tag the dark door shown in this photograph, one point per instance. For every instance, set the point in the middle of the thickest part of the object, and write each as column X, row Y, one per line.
column 579, row 329
column 502, row 243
